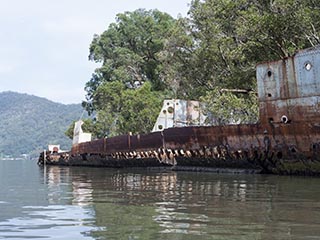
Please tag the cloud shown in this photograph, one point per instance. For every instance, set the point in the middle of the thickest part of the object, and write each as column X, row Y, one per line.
column 5, row 68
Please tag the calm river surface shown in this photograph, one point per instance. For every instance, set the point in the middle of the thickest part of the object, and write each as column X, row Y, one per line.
column 95, row 203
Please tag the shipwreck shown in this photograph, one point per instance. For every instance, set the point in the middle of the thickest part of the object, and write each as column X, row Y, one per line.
column 286, row 140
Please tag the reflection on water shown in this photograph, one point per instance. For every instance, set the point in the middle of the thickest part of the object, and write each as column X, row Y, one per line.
column 35, row 204
column 60, row 222
column 76, row 191
column 93, row 203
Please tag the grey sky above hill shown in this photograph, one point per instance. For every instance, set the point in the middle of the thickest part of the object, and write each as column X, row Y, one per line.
column 44, row 44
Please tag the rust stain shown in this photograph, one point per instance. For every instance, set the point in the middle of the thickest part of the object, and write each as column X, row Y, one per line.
column 285, row 141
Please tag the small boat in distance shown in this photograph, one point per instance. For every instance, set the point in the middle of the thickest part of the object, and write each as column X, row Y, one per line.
column 286, row 140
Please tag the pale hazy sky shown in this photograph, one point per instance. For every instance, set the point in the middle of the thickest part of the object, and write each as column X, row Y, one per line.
column 44, row 44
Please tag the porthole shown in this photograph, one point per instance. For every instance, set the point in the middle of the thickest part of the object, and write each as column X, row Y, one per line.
column 308, row 66
column 160, row 127
column 170, row 109
column 164, row 111
column 284, row 119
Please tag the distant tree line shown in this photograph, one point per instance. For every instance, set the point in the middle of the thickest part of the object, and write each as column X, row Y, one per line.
column 147, row 56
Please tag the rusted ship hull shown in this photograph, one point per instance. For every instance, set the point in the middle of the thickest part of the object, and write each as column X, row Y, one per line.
column 285, row 141
column 278, row 148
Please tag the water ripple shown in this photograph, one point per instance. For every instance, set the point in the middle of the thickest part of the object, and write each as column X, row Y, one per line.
column 51, row 222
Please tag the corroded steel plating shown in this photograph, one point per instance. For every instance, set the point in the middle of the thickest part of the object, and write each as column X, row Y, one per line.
column 285, row 141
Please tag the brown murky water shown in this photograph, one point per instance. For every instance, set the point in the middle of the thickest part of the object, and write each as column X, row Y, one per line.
column 96, row 203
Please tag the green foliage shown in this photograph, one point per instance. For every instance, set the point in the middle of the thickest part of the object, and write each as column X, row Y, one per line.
column 124, row 92
column 140, row 109
column 28, row 123
column 176, row 60
column 121, row 110
column 128, row 50
column 231, row 37
column 228, row 108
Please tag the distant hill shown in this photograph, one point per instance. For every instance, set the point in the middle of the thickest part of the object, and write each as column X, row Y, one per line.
column 29, row 123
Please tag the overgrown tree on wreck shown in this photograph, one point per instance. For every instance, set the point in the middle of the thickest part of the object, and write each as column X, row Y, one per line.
column 231, row 37
column 127, row 91
column 216, row 47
